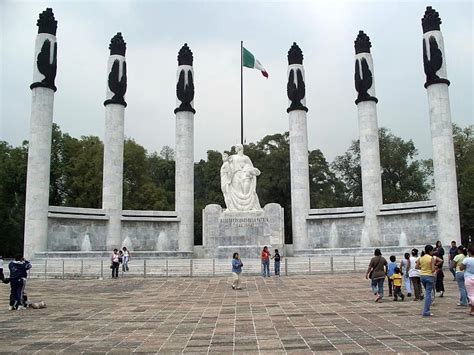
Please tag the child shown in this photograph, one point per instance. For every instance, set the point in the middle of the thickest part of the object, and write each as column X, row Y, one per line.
column 439, row 285
column 397, row 284
column 277, row 259
column 390, row 270
column 236, row 271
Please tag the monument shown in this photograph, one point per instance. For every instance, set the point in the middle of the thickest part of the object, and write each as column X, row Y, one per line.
column 243, row 226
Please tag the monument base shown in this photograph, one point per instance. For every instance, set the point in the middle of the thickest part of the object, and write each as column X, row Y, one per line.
column 246, row 233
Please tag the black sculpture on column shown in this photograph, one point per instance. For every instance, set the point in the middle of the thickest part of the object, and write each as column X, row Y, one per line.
column 296, row 90
column 185, row 88
column 363, row 78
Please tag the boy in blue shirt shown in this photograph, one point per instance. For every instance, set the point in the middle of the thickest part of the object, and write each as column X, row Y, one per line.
column 236, row 271
column 390, row 271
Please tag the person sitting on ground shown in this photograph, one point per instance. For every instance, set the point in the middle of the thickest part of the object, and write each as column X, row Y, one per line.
column 236, row 271
column 397, row 284
column 390, row 270
column 376, row 272
column 467, row 266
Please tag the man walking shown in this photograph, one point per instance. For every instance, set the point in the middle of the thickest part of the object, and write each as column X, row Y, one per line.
column 18, row 272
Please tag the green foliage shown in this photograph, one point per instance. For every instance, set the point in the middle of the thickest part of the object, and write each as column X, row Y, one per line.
column 149, row 179
column 404, row 178
column 13, row 163
column 464, row 153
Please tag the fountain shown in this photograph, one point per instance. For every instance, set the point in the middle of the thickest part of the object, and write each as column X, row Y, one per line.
column 86, row 243
column 364, row 238
column 402, row 242
column 127, row 243
column 161, row 242
column 333, row 236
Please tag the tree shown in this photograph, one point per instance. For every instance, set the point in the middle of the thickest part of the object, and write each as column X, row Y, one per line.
column 12, row 197
column 464, row 154
column 404, row 178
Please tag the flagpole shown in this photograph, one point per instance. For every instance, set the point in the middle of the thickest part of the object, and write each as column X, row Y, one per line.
column 242, row 92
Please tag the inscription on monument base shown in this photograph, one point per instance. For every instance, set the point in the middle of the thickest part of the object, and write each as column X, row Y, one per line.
column 245, row 232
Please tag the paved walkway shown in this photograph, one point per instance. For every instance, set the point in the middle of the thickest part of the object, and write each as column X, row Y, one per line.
column 297, row 314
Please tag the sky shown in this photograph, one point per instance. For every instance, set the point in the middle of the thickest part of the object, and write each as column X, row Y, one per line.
column 156, row 30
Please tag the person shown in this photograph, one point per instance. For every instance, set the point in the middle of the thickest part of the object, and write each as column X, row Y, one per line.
column 115, row 263
column 126, row 259
column 376, row 272
column 18, row 268
column 120, row 257
column 266, row 261
column 452, row 253
column 426, row 264
column 236, row 271
column 397, row 284
column 2, row 276
column 277, row 259
column 439, row 276
column 458, row 259
column 405, row 269
column 467, row 266
column 438, row 250
column 391, row 269
column 414, row 275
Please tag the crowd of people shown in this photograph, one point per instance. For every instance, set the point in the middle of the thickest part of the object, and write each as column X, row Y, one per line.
column 423, row 271
column 119, row 257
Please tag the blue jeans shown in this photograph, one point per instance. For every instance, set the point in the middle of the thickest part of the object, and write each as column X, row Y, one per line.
column 427, row 282
column 277, row 268
column 462, row 288
column 266, row 268
column 16, row 287
column 377, row 286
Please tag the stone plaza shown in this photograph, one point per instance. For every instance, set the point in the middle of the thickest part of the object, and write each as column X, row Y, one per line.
column 295, row 314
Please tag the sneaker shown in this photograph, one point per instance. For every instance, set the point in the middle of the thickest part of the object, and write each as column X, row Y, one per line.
column 20, row 308
column 378, row 299
column 441, row 294
column 11, row 308
column 395, row 300
column 428, row 315
column 233, row 287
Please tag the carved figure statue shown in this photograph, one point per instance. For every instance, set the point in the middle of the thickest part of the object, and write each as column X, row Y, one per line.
column 239, row 182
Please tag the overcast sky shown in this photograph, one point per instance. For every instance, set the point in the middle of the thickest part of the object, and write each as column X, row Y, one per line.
column 155, row 31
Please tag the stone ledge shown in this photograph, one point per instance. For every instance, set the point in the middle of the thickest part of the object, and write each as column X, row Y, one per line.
column 398, row 250
column 149, row 219
column 137, row 213
column 106, row 254
column 76, row 210
column 77, row 216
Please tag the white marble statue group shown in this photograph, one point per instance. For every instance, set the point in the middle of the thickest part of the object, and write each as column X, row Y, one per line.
column 239, row 182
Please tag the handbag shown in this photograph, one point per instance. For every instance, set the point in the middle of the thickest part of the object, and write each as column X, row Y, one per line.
column 372, row 271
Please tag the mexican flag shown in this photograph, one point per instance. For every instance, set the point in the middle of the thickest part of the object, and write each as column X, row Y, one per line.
column 249, row 61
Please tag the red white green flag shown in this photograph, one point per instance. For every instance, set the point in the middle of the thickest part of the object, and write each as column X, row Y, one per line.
column 249, row 61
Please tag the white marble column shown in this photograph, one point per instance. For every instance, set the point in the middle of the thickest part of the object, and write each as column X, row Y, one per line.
column 299, row 165
column 444, row 164
column 39, row 148
column 112, row 186
column 184, row 154
column 368, row 137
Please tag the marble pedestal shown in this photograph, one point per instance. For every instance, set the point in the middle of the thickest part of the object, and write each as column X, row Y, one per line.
column 244, row 232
